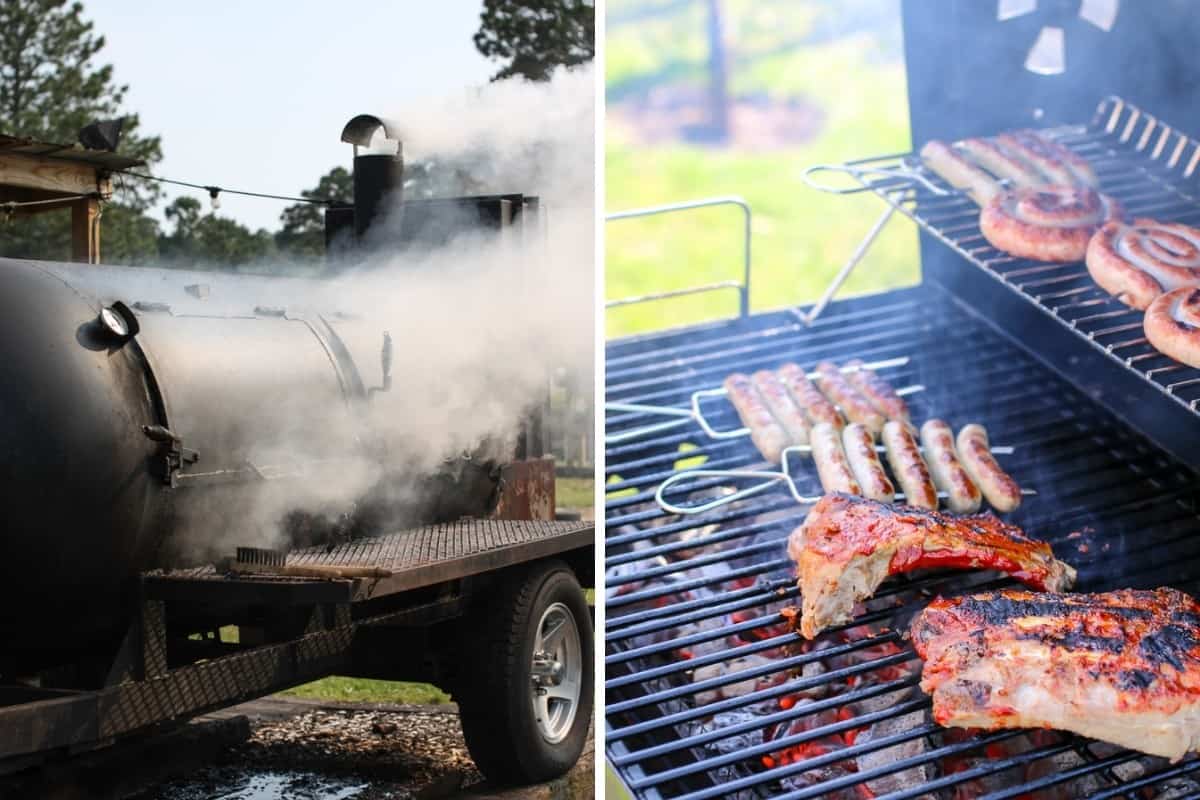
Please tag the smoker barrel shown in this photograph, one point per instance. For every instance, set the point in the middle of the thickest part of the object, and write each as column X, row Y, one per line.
column 236, row 407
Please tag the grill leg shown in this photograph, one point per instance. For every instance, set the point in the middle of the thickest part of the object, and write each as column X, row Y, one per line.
column 848, row 267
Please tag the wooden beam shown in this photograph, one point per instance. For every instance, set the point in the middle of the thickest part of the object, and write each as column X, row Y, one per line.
column 85, row 231
column 11, row 195
column 51, row 175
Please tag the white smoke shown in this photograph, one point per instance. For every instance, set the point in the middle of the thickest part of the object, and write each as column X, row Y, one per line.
column 479, row 324
column 478, row 327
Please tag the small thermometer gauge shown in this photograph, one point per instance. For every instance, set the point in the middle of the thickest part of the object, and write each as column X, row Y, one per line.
column 113, row 323
column 118, row 321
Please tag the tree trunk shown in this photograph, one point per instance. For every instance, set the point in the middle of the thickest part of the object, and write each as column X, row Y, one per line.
column 718, row 73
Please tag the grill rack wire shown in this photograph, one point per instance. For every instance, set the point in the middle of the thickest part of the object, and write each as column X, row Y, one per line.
column 1104, row 477
column 1151, row 167
column 667, row 574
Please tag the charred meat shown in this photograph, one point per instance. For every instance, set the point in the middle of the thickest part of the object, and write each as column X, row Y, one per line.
column 847, row 546
column 1122, row 666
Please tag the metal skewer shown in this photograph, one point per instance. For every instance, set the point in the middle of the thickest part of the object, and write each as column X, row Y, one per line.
column 683, row 416
column 698, row 415
column 905, row 175
column 770, row 478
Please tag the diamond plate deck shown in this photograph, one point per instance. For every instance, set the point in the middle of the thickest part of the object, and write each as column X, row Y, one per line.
column 417, row 557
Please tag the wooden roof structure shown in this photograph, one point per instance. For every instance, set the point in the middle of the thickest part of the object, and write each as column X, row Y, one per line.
column 57, row 176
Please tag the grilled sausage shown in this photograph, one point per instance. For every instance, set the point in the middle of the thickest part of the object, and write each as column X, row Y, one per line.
column 1000, row 162
column 997, row 485
column 864, row 463
column 832, row 465
column 959, row 172
column 767, row 434
column 904, row 455
column 810, row 400
column 878, row 392
column 787, row 413
column 833, row 384
column 962, row 495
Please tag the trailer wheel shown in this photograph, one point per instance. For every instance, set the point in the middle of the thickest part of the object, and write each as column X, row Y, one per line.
column 527, row 702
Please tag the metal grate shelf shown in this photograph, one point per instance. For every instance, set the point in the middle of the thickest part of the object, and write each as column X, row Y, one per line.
column 704, row 681
column 1150, row 167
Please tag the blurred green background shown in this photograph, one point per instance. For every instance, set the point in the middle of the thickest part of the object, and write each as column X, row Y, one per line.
column 805, row 82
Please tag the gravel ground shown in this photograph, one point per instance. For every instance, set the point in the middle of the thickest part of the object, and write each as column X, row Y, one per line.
column 338, row 754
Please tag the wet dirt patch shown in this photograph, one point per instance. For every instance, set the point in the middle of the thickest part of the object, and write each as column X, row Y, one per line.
column 337, row 755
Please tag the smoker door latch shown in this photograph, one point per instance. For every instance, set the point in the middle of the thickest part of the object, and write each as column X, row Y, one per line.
column 385, row 362
column 172, row 454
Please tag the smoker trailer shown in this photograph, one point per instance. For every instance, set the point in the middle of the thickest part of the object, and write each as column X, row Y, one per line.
column 708, row 691
column 154, row 420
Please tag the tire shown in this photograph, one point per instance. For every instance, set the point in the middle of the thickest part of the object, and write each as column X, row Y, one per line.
column 496, row 701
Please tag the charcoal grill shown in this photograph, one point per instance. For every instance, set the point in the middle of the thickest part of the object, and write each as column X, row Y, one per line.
column 710, row 585
column 708, row 692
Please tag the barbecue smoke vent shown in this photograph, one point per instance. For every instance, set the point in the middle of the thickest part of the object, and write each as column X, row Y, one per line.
column 378, row 172
column 1048, row 54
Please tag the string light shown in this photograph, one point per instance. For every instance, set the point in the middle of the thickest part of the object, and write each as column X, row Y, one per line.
column 213, row 191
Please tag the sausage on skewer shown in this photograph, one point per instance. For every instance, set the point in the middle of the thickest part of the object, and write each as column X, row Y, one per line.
column 878, row 391
column 816, row 407
column 789, row 415
column 962, row 495
column 833, row 467
column 864, row 463
column 765, row 431
column 1001, row 491
column 904, row 455
column 833, row 384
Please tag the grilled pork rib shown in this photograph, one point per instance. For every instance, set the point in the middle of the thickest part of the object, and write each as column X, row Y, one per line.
column 1122, row 666
column 848, row 545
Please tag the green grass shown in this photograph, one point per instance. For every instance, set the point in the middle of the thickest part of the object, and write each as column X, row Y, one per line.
column 363, row 690
column 574, row 492
column 800, row 236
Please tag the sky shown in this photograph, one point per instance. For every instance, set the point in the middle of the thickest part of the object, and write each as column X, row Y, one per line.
column 253, row 94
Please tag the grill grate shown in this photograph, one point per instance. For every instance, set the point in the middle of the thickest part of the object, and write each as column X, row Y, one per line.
column 703, row 680
column 1149, row 166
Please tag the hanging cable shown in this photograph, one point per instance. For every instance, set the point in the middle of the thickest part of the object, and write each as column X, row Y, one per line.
column 9, row 209
column 15, row 204
column 215, row 191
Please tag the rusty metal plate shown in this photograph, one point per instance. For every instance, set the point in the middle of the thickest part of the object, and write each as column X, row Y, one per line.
column 527, row 490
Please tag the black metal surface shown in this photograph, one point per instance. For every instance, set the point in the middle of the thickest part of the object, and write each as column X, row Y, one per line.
column 697, row 654
column 435, row 222
column 417, row 557
column 378, row 181
column 238, row 397
column 73, row 464
column 1056, row 310
column 966, row 75
column 161, row 696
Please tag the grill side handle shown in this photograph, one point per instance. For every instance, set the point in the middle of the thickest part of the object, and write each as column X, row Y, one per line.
column 743, row 286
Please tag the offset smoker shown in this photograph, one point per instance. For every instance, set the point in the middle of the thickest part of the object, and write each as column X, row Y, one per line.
column 709, row 693
column 155, row 420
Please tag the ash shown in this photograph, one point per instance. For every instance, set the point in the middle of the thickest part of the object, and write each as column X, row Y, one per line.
column 339, row 755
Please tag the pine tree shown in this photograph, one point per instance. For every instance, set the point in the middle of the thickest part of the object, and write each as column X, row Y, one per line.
column 535, row 36
column 207, row 241
column 51, row 86
column 302, row 234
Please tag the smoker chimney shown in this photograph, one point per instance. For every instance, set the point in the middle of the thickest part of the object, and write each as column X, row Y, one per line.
column 377, row 175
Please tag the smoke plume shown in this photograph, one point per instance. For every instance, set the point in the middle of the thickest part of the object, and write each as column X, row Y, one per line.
column 478, row 324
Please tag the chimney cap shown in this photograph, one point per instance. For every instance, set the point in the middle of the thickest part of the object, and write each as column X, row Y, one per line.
column 362, row 128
